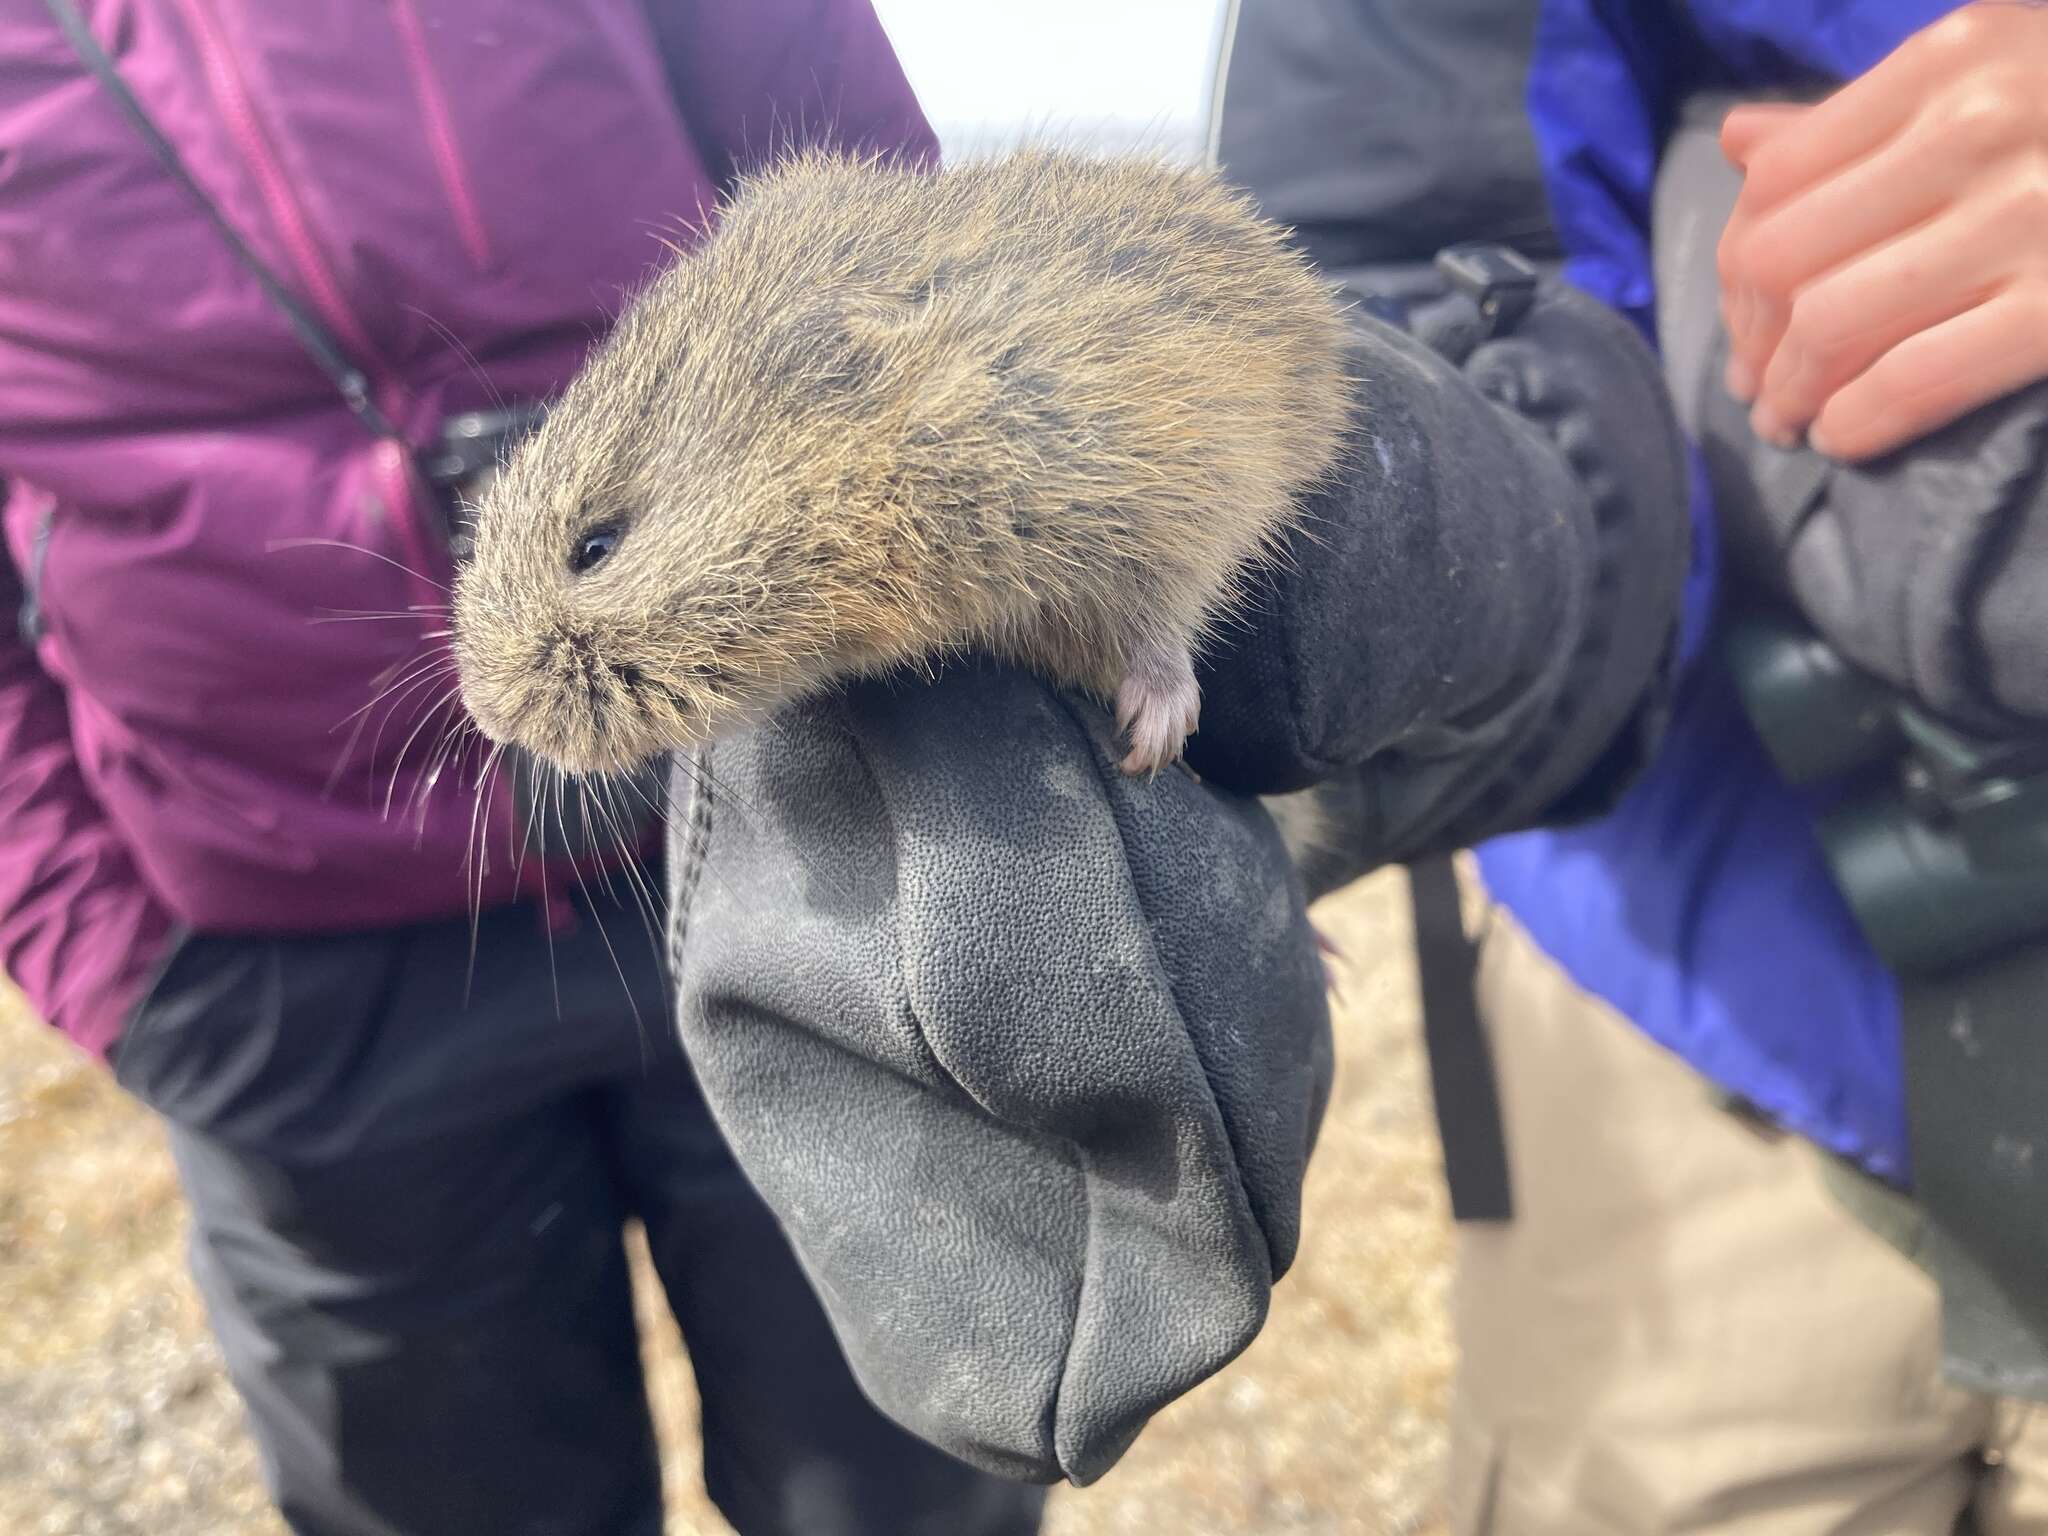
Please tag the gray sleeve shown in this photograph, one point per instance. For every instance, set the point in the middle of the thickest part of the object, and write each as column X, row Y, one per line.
column 1382, row 130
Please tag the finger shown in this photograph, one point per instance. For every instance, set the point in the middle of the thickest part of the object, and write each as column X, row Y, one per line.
column 1762, row 320
column 1731, row 294
column 1804, row 151
column 1848, row 125
column 1843, row 216
column 1937, row 376
column 1847, row 320
column 1748, row 126
column 1738, row 308
column 1740, row 380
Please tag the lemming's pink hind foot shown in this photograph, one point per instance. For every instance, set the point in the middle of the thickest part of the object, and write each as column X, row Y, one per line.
column 1157, row 706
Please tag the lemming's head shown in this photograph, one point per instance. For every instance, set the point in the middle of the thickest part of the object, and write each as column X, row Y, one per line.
column 691, row 538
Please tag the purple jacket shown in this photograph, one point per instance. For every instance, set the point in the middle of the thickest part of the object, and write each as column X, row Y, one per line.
column 462, row 189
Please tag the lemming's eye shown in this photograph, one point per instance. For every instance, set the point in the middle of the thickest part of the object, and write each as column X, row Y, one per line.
column 595, row 547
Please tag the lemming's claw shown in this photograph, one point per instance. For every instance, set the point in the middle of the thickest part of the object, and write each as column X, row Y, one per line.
column 1158, row 705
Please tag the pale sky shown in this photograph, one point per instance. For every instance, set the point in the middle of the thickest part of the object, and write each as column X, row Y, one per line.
column 1002, row 68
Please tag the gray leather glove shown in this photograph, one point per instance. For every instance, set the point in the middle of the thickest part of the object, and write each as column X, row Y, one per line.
column 1027, row 1056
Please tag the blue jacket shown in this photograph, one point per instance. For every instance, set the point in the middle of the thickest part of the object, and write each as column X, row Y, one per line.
column 1702, row 908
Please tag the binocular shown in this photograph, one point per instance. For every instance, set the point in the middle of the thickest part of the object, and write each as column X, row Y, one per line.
column 1940, row 840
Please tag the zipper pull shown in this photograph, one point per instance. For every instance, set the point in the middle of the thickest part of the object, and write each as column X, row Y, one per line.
column 29, row 620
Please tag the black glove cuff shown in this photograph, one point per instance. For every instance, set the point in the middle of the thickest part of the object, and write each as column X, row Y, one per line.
column 1480, row 605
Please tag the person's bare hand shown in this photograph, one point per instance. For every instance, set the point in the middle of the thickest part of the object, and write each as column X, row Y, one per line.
column 1886, row 267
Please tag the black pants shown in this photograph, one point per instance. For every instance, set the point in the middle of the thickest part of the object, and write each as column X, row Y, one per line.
column 409, row 1178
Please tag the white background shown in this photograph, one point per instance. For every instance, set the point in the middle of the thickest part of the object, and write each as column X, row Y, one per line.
column 1108, row 72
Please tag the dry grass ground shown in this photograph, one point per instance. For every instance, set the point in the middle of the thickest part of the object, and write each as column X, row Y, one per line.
column 114, row 1419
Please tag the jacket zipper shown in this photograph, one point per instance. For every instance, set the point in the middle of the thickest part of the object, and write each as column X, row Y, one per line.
column 441, row 138
column 231, row 92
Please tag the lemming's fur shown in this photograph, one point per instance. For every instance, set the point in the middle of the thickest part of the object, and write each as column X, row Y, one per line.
column 1048, row 407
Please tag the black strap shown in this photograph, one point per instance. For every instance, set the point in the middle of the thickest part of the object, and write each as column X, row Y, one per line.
column 1489, row 289
column 1460, row 1064
column 319, row 342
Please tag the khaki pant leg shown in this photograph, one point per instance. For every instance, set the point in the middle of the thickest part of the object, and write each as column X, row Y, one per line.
column 1681, row 1330
column 2012, row 1499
